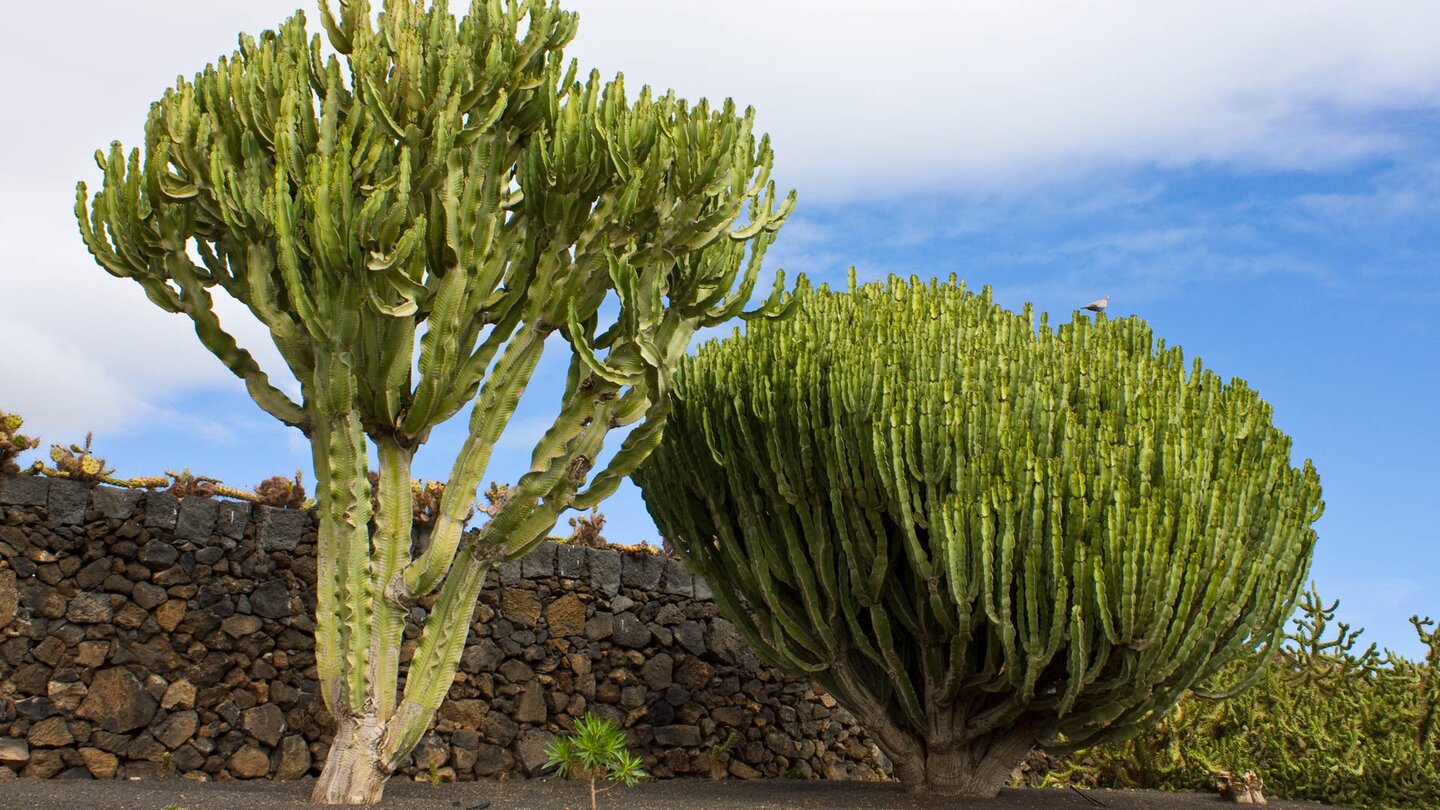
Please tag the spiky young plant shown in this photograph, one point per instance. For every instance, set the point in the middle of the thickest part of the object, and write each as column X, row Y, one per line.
column 597, row 752
column 448, row 187
column 976, row 531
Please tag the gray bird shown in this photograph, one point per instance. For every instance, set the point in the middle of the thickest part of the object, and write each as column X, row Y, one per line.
column 1098, row 305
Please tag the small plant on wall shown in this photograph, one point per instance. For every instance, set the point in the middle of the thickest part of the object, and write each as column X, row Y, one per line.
column 596, row 751
column 12, row 443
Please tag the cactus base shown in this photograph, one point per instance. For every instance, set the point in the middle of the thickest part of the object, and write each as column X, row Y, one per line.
column 354, row 769
column 975, row 770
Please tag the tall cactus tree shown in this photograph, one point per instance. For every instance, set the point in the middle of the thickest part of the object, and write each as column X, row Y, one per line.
column 979, row 532
column 455, row 176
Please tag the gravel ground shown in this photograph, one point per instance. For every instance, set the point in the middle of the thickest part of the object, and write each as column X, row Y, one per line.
column 551, row 794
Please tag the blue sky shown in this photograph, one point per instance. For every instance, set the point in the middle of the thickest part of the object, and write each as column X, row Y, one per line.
column 1263, row 188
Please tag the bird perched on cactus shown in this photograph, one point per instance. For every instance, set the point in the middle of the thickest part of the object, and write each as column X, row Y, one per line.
column 415, row 212
column 1098, row 305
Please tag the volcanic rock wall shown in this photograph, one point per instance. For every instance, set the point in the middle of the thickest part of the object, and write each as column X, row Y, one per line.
column 145, row 636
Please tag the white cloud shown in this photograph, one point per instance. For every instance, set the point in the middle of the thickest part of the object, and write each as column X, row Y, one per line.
column 862, row 99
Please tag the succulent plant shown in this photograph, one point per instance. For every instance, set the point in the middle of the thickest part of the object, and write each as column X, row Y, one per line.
column 980, row 532
column 597, row 752
column 585, row 530
column 77, row 463
column 12, row 443
column 413, row 213
column 188, row 485
column 1326, row 721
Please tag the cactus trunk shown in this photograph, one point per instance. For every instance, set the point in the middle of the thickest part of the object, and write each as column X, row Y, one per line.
column 354, row 769
column 975, row 769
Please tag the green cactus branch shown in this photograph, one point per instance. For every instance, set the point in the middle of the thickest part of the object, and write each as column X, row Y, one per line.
column 979, row 531
column 449, row 193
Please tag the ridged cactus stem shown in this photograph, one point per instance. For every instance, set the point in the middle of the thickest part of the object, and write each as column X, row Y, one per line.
column 498, row 399
column 391, row 552
column 329, row 659
column 437, row 656
column 343, row 496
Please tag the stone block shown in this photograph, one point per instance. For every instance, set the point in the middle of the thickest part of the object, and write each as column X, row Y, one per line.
column 641, row 571
column 24, row 490
column 702, row 590
column 531, row 750
column 540, row 563
column 9, row 597
column 115, row 503
column 530, row 708
column 676, row 580
column 294, row 759
column 197, row 519
column 521, row 606
column 231, row 517
column 265, row 723
column 672, row 736
column 13, row 751
column 67, row 502
column 117, row 702
column 280, row 529
column 565, row 616
column 161, row 511
column 509, row 572
column 271, row 599
column 604, row 567
column 631, row 632
column 89, row 608
column 570, row 560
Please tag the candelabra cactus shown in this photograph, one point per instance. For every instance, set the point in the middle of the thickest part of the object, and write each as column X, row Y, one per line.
column 977, row 531
column 455, row 176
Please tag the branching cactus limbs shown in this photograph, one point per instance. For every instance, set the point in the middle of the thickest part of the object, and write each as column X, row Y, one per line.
column 454, row 175
column 978, row 532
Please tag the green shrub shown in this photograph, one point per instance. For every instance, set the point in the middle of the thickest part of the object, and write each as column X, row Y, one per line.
column 596, row 751
column 1322, row 723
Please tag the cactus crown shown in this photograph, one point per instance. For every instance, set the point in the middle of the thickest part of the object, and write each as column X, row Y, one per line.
column 456, row 174
column 942, row 508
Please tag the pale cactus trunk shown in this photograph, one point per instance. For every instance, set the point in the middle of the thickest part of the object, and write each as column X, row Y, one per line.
column 354, row 769
column 361, row 629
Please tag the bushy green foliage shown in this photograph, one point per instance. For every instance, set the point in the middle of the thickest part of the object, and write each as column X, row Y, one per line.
column 1322, row 723
column 977, row 531
column 596, row 751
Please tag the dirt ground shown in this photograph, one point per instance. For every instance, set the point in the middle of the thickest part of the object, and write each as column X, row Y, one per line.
column 552, row 794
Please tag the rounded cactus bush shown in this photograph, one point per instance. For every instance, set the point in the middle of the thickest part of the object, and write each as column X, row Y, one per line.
column 979, row 532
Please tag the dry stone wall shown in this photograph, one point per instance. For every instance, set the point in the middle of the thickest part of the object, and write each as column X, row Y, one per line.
column 145, row 636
